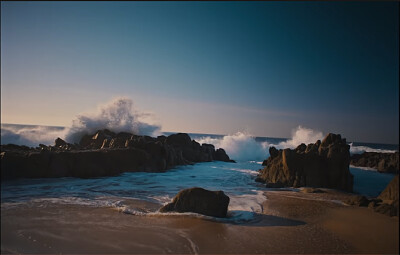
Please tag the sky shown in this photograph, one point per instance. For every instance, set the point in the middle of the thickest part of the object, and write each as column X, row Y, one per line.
column 207, row 67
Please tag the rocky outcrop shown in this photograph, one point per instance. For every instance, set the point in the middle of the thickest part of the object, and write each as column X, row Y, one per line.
column 391, row 192
column 383, row 162
column 322, row 164
column 386, row 203
column 198, row 200
column 104, row 153
column 221, row 155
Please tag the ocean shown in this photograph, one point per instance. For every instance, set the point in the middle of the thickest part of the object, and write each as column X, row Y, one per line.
column 235, row 179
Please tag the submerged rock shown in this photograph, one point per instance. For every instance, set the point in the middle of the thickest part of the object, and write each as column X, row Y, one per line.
column 323, row 164
column 199, row 200
column 383, row 162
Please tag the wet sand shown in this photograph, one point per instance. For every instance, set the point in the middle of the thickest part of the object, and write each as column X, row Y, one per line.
column 292, row 222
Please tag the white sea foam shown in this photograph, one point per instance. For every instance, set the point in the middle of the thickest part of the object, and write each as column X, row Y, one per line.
column 364, row 168
column 354, row 149
column 117, row 115
column 30, row 135
column 240, row 146
column 246, row 171
column 301, row 135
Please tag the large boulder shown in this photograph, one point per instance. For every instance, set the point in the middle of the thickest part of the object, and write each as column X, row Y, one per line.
column 59, row 142
column 391, row 192
column 179, row 140
column 322, row 164
column 199, row 200
column 383, row 162
column 221, row 155
column 390, row 199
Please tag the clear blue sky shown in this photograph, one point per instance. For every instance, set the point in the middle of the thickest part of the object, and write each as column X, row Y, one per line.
column 210, row 67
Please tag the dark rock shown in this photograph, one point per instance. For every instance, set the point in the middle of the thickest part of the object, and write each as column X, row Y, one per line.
column 312, row 190
column 14, row 147
column 276, row 185
column 259, row 179
column 358, row 200
column 301, row 148
column 117, row 142
column 59, row 142
column 104, row 153
column 179, row 140
column 273, row 152
column 388, row 209
column 161, row 138
column 391, row 192
column 198, row 200
column 323, row 164
column 383, row 162
column 221, row 155
column 374, row 202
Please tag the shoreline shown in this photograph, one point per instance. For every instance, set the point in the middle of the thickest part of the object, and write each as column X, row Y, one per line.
column 291, row 222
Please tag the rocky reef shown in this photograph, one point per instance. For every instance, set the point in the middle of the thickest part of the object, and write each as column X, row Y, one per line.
column 105, row 153
column 199, row 200
column 322, row 164
column 383, row 162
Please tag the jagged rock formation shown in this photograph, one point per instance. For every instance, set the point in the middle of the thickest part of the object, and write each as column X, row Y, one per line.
column 322, row 164
column 383, row 162
column 105, row 153
column 198, row 200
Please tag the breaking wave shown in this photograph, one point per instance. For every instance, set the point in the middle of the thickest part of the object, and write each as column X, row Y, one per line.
column 301, row 135
column 30, row 135
column 355, row 149
column 117, row 115
column 239, row 146
column 244, row 147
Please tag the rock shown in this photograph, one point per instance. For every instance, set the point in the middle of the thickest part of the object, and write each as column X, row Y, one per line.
column 391, row 192
column 221, row 155
column 273, row 152
column 117, row 142
column 198, row 200
column 312, row 190
column 390, row 197
column 179, row 140
column 374, row 202
column 383, row 162
column 322, row 164
column 387, row 209
column 276, row 185
column 358, row 200
column 104, row 153
column 59, row 142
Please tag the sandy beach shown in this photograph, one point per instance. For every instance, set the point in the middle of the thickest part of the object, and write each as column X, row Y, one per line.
column 291, row 222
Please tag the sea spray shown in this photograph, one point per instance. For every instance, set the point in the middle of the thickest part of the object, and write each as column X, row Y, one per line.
column 30, row 135
column 301, row 135
column 117, row 115
column 240, row 146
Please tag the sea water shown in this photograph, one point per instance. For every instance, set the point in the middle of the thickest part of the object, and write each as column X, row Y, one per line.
column 235, row 179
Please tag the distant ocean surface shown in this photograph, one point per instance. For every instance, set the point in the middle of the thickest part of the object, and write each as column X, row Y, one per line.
column 235, row 179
